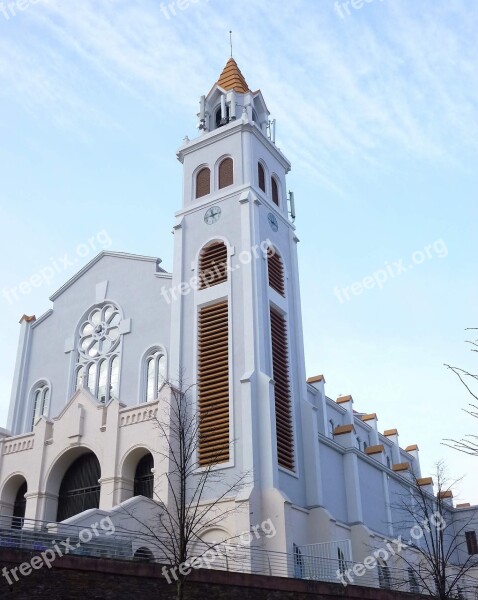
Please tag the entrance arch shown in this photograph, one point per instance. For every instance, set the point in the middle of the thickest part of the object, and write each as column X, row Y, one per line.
column 80, row 487
column 13, row 502
column 137, row 474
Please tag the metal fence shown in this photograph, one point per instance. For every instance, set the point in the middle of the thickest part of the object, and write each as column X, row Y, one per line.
column 38, row 537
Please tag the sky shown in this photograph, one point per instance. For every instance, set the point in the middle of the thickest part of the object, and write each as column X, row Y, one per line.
column 377, row 109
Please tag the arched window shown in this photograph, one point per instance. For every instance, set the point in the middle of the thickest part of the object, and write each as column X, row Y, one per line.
column 203, row 182
column 154, row 374
column 144, row 478
column 331, row 429
column 41, row 402
column 299, row 570
column 261, row 174
column 212, row 265
column 275, row 190
column 19, row 507
column 342, row 561
column 383, row 574
column 389, row 462
column 413, row 581
column 143, row 554
column 98, row 351
column 114, row 377
column 80, row 488
column 226, row 173
column 276, row 271
column 359, row 442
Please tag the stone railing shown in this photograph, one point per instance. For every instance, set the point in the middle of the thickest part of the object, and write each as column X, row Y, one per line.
column 18, row 444
column 138, row 414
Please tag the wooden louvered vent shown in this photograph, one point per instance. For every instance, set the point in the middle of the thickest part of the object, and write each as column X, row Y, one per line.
column 203, row 182
column 276, row 271
column 226, row 173
column 280, row 360
column 213, row 265
column 213, row 384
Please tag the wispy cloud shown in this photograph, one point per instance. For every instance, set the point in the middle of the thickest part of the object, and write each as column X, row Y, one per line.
column 394, row 79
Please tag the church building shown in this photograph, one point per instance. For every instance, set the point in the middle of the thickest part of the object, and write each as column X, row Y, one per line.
column 91, row 372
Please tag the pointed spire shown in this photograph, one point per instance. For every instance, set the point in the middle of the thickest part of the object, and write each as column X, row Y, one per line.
column 232, row 79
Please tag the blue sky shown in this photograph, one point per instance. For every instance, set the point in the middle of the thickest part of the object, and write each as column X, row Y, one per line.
column 378, row 112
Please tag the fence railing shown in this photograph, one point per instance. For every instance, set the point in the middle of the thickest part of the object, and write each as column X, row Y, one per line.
column 102, row 541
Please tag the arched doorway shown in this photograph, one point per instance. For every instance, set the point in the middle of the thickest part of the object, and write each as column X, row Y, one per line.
column 80, row 487
column 19, row 507
column 144, row 478
column 13, row 502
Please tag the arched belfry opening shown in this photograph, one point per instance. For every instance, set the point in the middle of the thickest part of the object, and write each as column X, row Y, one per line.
column 80, row 487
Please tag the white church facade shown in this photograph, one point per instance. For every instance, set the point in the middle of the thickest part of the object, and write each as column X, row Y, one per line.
column 90, row 372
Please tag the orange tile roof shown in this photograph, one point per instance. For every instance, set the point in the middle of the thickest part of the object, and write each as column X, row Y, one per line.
column 447, row 494
column 370, row 417
column 316, row 379
column 231, row 78
column 374, row 449
column 343, row 429
column 401, row 466
column 343, row 399
column 411, row 448
column 425, row 481
column 390, row 432
column 28, row 319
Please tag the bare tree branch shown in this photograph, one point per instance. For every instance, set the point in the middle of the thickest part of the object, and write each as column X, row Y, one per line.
column 437, row 559
column 198, row 497
column 467, row 444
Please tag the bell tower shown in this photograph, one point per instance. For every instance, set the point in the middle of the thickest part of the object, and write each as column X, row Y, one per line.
column 236, row 316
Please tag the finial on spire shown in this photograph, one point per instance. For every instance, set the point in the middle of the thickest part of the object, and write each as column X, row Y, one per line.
column 230, row 40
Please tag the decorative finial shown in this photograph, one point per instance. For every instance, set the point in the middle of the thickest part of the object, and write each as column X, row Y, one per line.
column 230, row 39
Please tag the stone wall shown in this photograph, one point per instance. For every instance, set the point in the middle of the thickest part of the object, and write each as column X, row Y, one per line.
column 74, row 578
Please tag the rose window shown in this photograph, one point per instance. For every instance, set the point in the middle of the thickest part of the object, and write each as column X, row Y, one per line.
column 100, row 334
column 99, row 349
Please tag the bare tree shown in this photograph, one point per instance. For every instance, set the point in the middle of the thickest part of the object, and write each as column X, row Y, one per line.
column 469, row 443
column 436, row 558
column 192, row 497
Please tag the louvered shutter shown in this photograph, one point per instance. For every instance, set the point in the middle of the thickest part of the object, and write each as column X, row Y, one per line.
column 213, row 265
column 276, row 272
column 213, row 384
column 283, row 408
